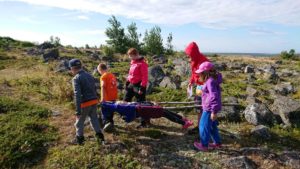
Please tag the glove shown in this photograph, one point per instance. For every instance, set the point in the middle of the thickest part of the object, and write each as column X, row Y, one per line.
column 142, row 90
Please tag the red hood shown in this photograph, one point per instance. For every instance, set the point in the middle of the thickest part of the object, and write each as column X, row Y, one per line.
column 197, row 58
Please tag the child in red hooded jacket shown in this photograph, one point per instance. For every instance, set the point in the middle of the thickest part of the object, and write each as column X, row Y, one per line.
column 137, row 80
column 196, row 59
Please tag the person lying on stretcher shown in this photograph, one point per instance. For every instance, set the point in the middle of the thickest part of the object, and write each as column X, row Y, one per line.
column 145, row 110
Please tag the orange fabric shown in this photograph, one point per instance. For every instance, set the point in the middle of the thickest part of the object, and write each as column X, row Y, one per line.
column 89, row 103
column 110, row 87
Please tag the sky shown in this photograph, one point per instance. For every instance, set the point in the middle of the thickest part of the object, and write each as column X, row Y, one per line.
column 242, row 26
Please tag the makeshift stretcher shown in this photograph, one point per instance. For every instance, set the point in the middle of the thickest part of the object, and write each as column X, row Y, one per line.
column 145, row 110
column 129, row 111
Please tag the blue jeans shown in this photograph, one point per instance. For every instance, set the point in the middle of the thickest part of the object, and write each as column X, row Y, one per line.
column 208, row 129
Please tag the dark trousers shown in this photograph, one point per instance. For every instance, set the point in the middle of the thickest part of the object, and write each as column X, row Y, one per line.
column 173, row 117
column 132, row 91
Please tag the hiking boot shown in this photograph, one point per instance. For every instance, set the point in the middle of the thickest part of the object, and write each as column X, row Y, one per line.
column 200, row 147
column 193, row 131
column 79, row 140
column 100, row 138
column 187, row 123
column 108, row 127
column 214, row 145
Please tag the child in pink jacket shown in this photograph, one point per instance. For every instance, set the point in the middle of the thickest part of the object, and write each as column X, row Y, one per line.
column 137, row 80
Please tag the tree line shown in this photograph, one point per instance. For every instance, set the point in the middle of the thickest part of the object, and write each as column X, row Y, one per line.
column 120, row 40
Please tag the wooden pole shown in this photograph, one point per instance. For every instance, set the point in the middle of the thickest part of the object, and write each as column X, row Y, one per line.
column 196, row 106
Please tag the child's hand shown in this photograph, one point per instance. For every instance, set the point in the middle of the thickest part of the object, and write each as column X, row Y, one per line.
column 213, row 116
column 140, row 92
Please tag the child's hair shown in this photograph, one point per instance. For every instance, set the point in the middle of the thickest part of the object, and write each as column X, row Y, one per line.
column 207, row 74
column 132, row 51
column 102, row 66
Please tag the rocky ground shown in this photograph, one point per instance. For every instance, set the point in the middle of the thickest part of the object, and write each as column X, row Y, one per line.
column 261, row 131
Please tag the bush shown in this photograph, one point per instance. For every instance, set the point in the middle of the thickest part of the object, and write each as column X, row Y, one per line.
column 24, row 134
column 26, row 44
column 107, row 51
column 90, row 156
column 288, row 55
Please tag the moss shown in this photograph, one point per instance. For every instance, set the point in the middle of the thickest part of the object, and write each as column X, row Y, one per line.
column 153, row 133
column 25, row 133
column 90, row 155
column 165, row 94
column 236, row 89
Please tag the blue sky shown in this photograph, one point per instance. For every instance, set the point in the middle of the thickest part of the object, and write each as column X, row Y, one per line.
column 254, row 26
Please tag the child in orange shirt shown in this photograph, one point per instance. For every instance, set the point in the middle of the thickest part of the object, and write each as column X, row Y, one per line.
column 109, row 92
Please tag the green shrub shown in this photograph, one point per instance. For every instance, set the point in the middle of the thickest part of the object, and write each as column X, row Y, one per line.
column 24, row 134
column 107, row 51
column 26, row 44
column 288, row 55
column 90, row 155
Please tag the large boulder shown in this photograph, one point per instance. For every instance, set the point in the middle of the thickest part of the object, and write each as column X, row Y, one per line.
column 284, row 88
column 259, row 114
column 241, row 162
column 270, row 74
column 168, row 83
column 51, row 54
column 95, row 56
column 159, row 59
column 249, row 69
column 46, row 45
column 269, row 69
column 236, row 66
column 220, row 66
column 35, row 51
column 287, row 108
column 155, row 74
column 261, row 132
column 285, row 73
column 181, row 67
column 63, row 66
column 230, row 113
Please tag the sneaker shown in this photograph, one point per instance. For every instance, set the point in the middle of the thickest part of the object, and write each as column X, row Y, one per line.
column 193, row 131
column 108, row 127
column 200, row 147
column 100, row 138
column 187, row 124
column 79, row 140
column 214, row 145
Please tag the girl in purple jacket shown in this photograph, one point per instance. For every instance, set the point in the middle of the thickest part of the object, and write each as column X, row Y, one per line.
column 211, row 104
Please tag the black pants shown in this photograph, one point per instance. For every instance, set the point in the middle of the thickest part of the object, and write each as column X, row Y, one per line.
column 132, row 91
column 173, row 117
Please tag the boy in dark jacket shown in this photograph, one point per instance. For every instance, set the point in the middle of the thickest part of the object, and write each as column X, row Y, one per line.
column 85, row 101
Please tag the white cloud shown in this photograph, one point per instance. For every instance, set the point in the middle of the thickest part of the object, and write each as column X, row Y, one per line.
column 75, row 38
column 264, row 31
column 210, row 13
column 82, row 17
